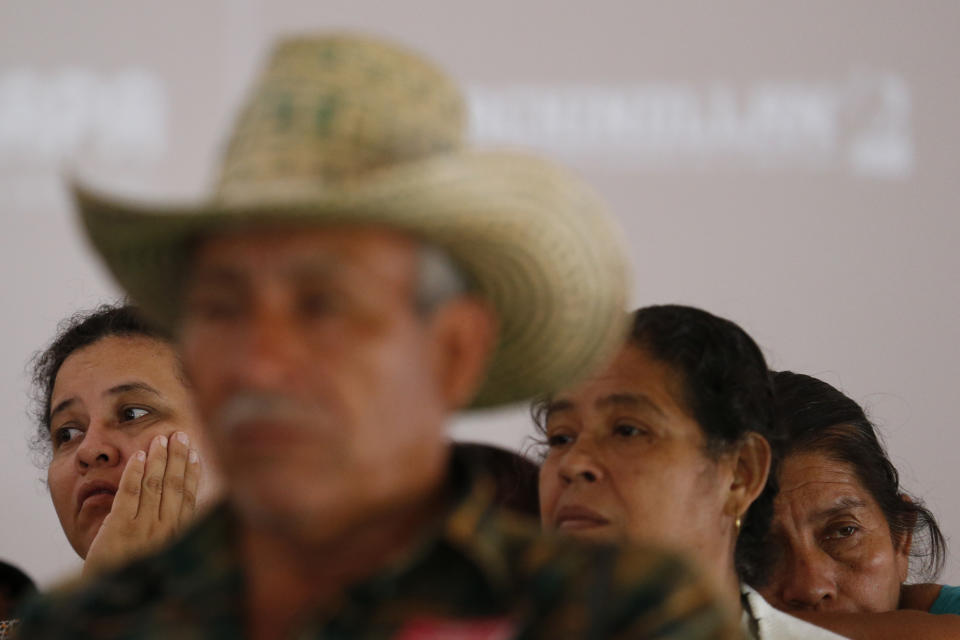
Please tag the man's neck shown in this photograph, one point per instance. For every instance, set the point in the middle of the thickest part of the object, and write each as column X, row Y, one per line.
column 289, row 576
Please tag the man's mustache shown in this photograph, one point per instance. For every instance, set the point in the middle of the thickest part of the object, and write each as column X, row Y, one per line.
column 246, row 407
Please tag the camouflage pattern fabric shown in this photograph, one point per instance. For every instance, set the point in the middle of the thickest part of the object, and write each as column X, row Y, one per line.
column 6, row 629
column 481, row 575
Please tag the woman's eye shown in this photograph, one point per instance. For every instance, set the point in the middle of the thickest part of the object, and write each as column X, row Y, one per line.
column 63, row 435
column 132, row 413
column 559, row 440
column 843, row 532
column 628, row 430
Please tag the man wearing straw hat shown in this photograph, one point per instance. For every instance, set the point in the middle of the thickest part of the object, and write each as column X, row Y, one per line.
column 356, row 278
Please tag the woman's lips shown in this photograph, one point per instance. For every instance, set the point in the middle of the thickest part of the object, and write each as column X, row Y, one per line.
column 97, row 493
column 573, row 518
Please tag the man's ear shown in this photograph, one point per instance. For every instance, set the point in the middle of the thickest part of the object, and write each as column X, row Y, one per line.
column 903, row 543
column 464, row 332
column 751, row 468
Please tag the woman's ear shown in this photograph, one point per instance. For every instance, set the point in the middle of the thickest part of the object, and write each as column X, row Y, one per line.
column 752, row 466
column 903, row 543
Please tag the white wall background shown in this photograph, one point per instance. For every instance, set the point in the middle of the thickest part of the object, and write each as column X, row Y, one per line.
column 791, row 166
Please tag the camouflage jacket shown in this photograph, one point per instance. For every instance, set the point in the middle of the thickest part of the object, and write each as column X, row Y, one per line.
column 482, row 574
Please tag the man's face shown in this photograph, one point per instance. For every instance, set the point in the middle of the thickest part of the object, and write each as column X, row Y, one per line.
column 315, row 374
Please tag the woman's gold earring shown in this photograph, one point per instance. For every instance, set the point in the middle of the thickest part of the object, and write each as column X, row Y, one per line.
column 737, row 524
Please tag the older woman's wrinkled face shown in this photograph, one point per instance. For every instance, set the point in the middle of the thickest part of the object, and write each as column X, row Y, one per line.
column 834, row 550
column 626, row 460
column 110, row 399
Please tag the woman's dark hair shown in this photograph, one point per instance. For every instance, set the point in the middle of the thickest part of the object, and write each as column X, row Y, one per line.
column 725, row 384
column 816, row 417
column 76, row 332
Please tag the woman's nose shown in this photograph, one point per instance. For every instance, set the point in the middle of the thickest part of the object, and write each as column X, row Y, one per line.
column 97, row 449
column 581, row 464
column 808, row 582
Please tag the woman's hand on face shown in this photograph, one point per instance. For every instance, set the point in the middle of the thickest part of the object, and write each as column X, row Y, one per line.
column 156, row 498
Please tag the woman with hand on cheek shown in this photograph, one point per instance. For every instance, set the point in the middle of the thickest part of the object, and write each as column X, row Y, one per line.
column 121, row 436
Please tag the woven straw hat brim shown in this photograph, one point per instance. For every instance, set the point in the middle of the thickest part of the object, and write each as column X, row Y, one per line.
column 535, row 240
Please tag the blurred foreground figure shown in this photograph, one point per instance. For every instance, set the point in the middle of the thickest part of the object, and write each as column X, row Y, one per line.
column 15, row 587
column 515, row 476
column 356, row 278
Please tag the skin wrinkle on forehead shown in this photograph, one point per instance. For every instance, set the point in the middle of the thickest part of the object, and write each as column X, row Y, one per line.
column 849, row 484
column 320, row 261
column 628, row 400
column 158, row 347
column 804, row 485
column 116, row 390
column 341, row 269
column 319, row 266
column 93, row 368
column 846, row 500
column 625, row 400
column 845, row 504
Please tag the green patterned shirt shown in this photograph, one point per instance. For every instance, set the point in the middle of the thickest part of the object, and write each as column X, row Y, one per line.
column 482, row 574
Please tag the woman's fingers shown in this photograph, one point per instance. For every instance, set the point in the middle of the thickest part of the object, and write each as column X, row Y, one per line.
column 126, row 502
column 115, row 541
column 156, row 495
column 191, row 486
column 171, row 502
column 152, row 486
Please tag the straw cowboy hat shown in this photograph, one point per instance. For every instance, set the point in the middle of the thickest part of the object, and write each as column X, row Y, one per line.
column 343, row 129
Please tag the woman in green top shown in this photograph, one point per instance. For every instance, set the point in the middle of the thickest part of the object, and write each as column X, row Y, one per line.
column 844, row 534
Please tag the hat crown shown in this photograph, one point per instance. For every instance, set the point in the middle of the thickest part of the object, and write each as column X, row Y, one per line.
column 328, row 110
column 344, row 130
